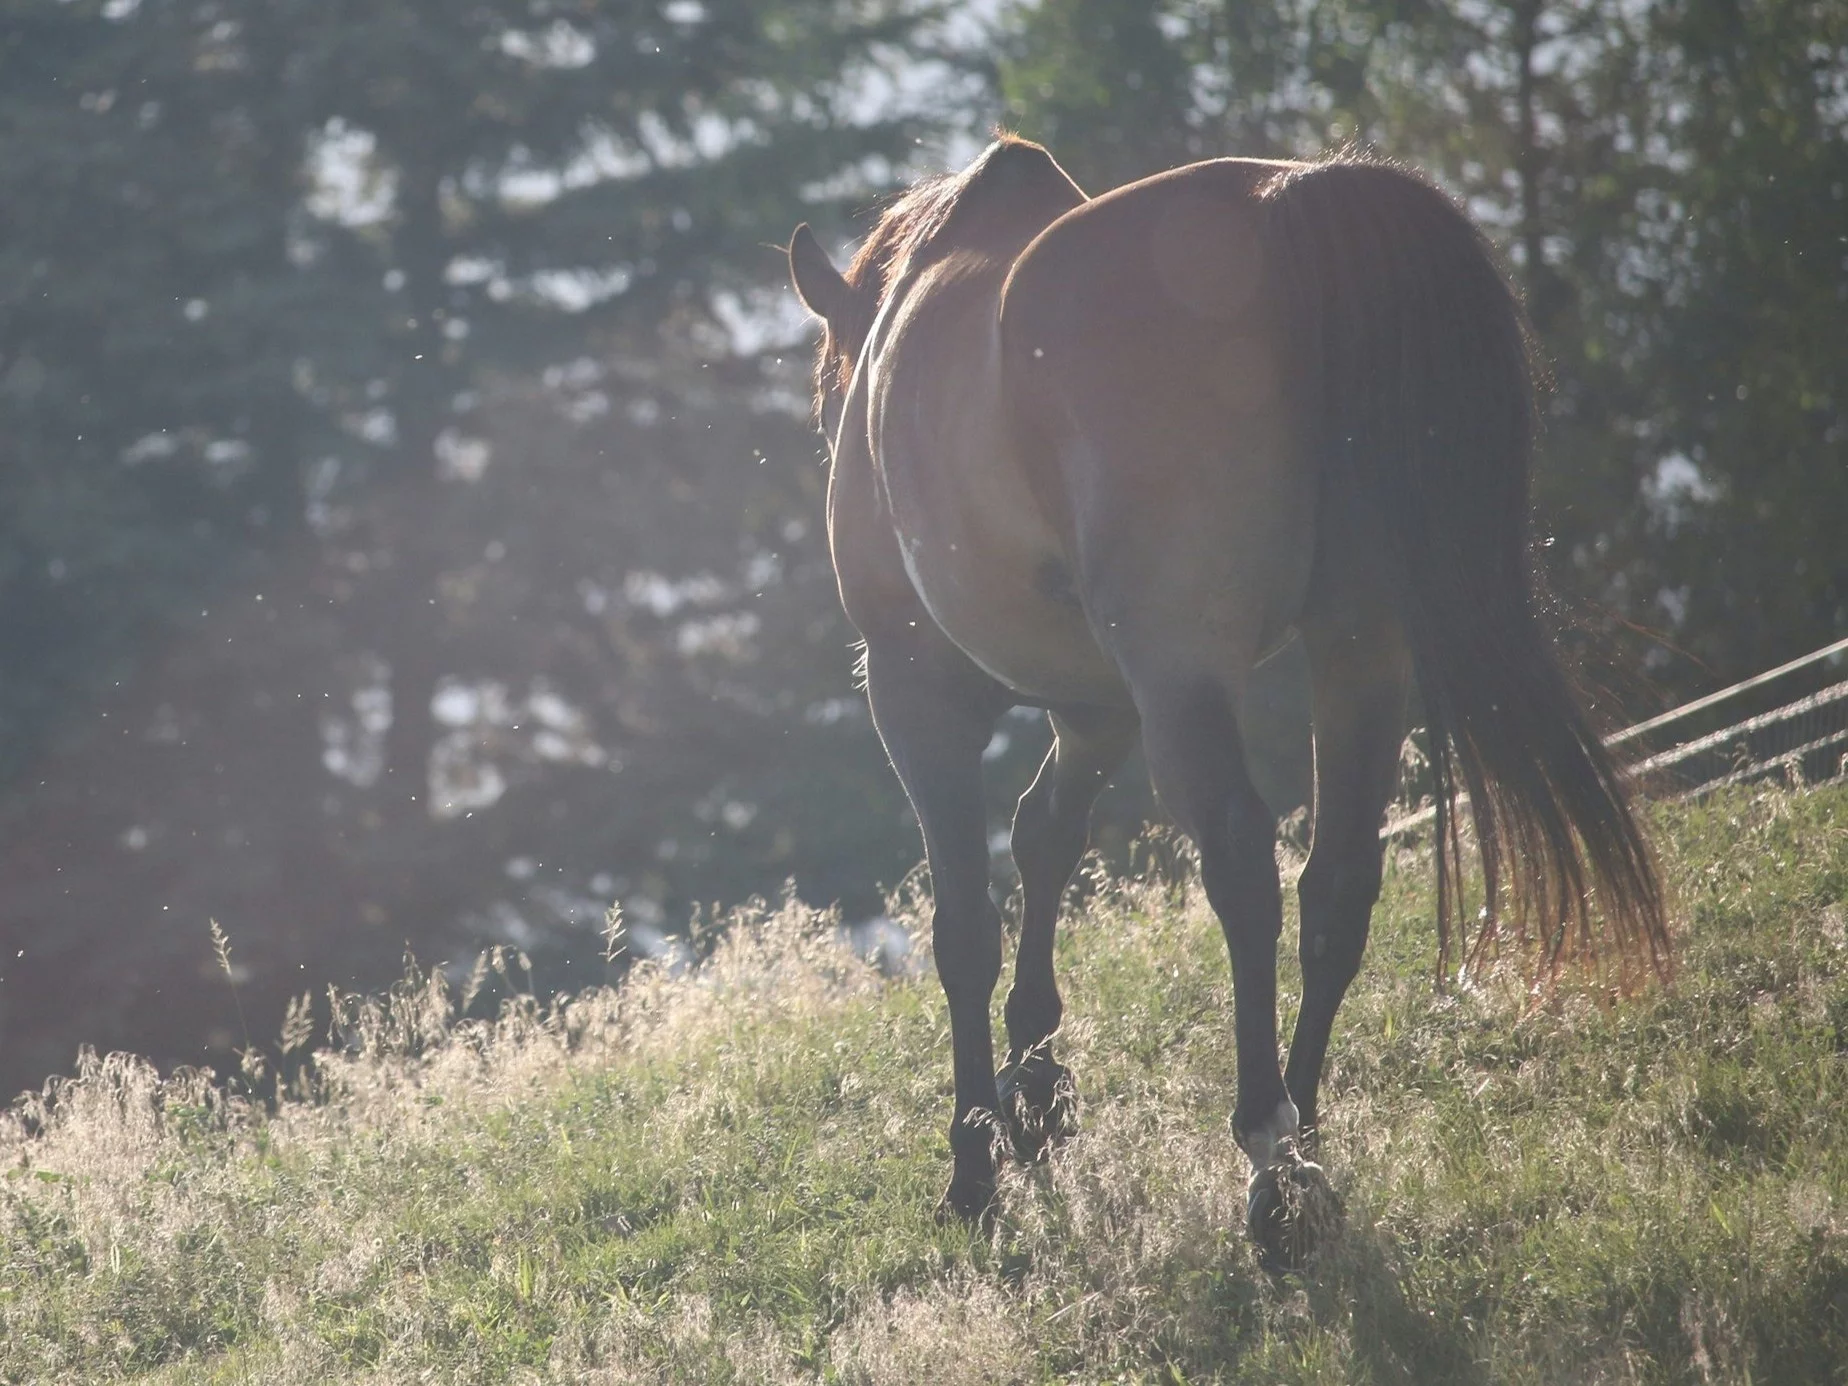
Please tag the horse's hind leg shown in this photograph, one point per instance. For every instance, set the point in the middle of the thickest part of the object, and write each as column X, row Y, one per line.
column 935, row 714
column 1359, row 673
column 1051, row 828
column 1197, row 761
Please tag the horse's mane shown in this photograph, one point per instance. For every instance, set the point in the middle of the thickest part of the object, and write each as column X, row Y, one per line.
column 910, row 232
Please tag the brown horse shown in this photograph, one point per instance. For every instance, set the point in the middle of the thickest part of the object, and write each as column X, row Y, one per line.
column 1100, row 456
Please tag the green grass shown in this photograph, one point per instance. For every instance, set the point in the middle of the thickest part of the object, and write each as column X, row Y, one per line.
column 730, row 1177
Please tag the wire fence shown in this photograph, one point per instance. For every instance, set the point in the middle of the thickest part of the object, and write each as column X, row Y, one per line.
column 1802, row 740
column 1806, row 740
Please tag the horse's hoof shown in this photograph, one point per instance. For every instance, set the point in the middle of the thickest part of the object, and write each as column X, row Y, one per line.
column 970, row 1202
column 1290, row 1211
column 1039, row 1104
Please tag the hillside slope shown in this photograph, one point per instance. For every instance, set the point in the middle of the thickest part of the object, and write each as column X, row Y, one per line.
column 730, row 1176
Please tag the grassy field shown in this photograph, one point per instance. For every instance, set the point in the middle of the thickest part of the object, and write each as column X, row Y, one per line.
column 729, row 1177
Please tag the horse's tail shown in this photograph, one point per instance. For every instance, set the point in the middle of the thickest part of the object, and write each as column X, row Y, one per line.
column 1418, row 368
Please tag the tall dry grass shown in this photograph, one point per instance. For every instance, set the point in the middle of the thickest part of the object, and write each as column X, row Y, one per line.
column 729, row 1176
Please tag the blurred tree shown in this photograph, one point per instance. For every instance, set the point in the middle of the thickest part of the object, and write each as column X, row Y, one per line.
column 1106, row 84
column 331, row 336
column 1742, row 236
column 144, row 292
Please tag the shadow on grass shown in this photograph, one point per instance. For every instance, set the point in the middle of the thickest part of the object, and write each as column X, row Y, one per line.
column 1356, row 1288
column 1347, row 1317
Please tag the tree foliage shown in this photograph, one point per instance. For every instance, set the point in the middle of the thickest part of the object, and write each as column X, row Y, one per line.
column 409, row 532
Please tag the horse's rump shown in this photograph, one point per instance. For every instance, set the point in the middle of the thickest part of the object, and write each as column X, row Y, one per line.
column 1149, row 385
column 1201, row 362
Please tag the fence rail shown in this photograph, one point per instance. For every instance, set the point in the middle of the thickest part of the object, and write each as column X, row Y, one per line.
column 1806, row 737
column 1701, row 704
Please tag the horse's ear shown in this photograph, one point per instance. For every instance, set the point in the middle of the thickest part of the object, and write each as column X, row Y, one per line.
column 822, row 289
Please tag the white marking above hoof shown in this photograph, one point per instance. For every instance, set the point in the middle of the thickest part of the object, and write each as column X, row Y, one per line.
column 1270, row 1141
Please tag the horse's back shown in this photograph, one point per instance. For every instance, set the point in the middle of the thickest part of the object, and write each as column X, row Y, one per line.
column 1185, row 236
